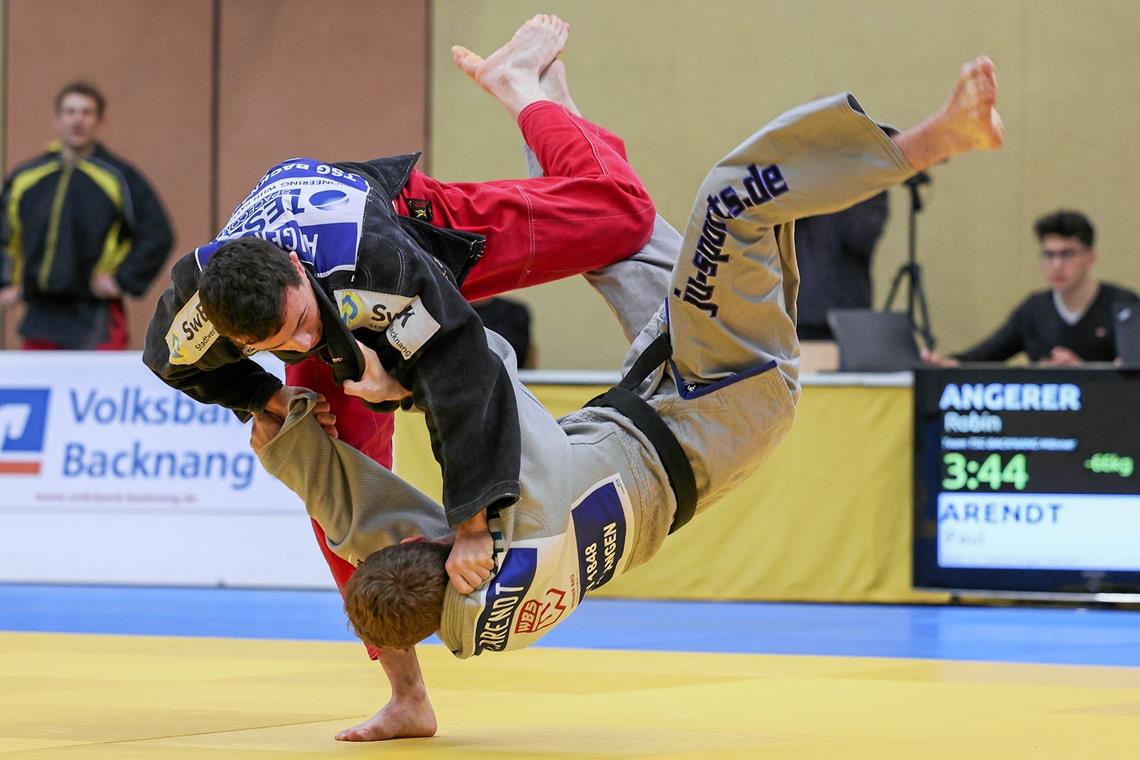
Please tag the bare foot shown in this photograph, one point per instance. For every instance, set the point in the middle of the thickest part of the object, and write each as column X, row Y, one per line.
column 510, row 74
column 406, row 719
column 969, row 117
column 966, row 121
column 554, row 85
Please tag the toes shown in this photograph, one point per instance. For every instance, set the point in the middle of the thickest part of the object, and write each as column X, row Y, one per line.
column 465, row 59
column 357, row 735
column 986, row 91
column 980, row 80
column 983, row 65
column 999, row 128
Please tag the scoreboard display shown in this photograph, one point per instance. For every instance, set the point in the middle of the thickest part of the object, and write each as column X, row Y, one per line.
column 1025, row 480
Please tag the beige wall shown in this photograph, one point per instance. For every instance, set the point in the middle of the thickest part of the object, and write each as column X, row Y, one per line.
column 684, row 81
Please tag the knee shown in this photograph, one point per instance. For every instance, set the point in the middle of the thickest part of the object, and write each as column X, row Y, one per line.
column 631, row 201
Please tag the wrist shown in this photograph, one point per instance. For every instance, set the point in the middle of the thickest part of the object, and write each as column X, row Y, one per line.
column 276, row 402
column 473, row 525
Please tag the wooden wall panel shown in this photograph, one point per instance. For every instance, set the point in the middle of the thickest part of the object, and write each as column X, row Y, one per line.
column 152, row 59
column 336, row 81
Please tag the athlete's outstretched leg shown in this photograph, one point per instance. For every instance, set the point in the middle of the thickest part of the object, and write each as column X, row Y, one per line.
column 731, row 306
column 634, row 288
column 587, row 212
column 732, row 301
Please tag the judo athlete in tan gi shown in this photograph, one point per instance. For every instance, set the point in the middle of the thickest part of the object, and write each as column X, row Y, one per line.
column 710, row 388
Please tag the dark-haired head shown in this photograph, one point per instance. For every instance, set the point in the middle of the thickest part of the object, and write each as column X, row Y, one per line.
column 1066, row 223
column 85, row 90
column 1067, row 252
column 256, row 294
column 79, row 109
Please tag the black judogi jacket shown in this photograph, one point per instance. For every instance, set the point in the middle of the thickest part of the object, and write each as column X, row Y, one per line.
column 390, row 282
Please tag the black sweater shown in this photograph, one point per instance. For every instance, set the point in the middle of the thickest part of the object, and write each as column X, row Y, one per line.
column 1035, row 327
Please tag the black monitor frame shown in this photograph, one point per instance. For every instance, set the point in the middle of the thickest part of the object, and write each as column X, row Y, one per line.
column 1061, row 584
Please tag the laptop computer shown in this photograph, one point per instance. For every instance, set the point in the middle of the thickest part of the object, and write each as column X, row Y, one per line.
column 1126, row 326
column 874, row 341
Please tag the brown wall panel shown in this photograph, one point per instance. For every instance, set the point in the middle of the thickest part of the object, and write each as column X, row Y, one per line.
column 337, row 81
column 152, row 59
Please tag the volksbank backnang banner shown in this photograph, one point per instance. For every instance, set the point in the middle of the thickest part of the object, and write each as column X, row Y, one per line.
column 99, row 429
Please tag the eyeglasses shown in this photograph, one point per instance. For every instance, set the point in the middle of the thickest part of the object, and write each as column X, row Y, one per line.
column 1065, row 254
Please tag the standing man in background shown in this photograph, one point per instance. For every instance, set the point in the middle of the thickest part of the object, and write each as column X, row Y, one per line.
column 81, row 228
column 834, row 252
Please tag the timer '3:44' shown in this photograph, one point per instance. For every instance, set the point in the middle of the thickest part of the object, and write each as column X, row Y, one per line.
column 991, row 472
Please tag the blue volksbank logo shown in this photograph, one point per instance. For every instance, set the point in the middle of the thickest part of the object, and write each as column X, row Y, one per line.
column 23, row 421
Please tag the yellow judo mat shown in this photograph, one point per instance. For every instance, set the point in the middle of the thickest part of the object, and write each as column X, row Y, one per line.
column 86, row 696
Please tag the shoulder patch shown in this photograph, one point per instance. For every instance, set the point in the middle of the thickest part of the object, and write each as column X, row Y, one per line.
column 369, row 308
column 411, row 328
column 191, row 334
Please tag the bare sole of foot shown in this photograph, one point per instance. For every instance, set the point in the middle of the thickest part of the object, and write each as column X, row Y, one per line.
column 511, row 73
column 969, row 114
column 967, row 121
column 555, row 87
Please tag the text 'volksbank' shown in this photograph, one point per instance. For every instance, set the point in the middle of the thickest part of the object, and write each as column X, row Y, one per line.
column 105, row 455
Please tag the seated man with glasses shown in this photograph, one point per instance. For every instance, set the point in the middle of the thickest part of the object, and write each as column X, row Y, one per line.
column 1069, row 324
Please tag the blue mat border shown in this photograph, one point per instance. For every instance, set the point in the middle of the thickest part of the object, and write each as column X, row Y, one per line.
column 1000, row 634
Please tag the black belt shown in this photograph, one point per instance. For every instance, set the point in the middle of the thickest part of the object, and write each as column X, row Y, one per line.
column 622, row 398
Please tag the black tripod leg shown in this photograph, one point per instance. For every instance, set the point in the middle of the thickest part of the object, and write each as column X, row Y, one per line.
column 923, row 327
column 895, row 284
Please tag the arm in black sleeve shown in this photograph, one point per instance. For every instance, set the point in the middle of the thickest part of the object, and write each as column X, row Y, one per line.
column 437, row 348
column 1007, row 341
column 9, row 247
column 151, row 238
column 215, row 374
column 862, row 225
